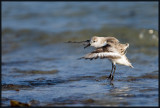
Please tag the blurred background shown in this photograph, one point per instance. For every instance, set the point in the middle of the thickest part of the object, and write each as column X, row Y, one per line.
column 39, row 68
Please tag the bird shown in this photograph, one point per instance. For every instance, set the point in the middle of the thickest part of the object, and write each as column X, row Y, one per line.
column 110, row 48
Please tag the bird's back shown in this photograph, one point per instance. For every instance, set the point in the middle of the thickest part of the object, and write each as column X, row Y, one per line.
column 118, row 48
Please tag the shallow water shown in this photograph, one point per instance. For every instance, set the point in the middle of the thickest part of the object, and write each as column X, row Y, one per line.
column 39, row 68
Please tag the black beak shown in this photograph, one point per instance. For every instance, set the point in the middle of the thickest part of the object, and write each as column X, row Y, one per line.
column 87, row 45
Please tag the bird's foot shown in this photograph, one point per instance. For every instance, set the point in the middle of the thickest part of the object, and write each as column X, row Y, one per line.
column 111, row 77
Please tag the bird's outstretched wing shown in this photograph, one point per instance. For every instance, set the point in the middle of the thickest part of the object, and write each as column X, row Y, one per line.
column 84, row 42
column 107, row 51
column 109, row 55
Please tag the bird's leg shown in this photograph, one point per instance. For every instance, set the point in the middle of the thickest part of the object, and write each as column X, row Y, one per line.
column 111, row 71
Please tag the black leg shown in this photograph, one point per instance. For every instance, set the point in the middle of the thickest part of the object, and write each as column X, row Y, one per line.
column 113, row 72
column 110, row 76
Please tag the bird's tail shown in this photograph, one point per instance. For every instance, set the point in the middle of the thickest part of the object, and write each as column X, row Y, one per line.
column 131, row 66
column 128, row 62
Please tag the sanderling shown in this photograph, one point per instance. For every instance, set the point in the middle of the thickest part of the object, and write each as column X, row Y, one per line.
column 110, row 48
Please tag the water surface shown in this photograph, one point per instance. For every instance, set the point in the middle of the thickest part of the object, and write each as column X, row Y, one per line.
column 39, row 68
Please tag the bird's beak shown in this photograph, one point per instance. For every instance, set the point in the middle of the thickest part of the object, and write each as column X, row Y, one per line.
column 87, row 45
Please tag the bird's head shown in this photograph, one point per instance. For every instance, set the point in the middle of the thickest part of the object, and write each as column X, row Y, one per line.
column 98, row 41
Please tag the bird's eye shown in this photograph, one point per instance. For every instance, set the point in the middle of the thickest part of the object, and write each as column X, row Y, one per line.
column 94, row 41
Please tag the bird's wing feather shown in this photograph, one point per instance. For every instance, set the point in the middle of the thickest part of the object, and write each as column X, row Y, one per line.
column 110, row 55
column 108, row 51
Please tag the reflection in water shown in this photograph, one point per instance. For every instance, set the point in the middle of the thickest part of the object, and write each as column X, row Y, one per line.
column 120, row 91
column 111, row 83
